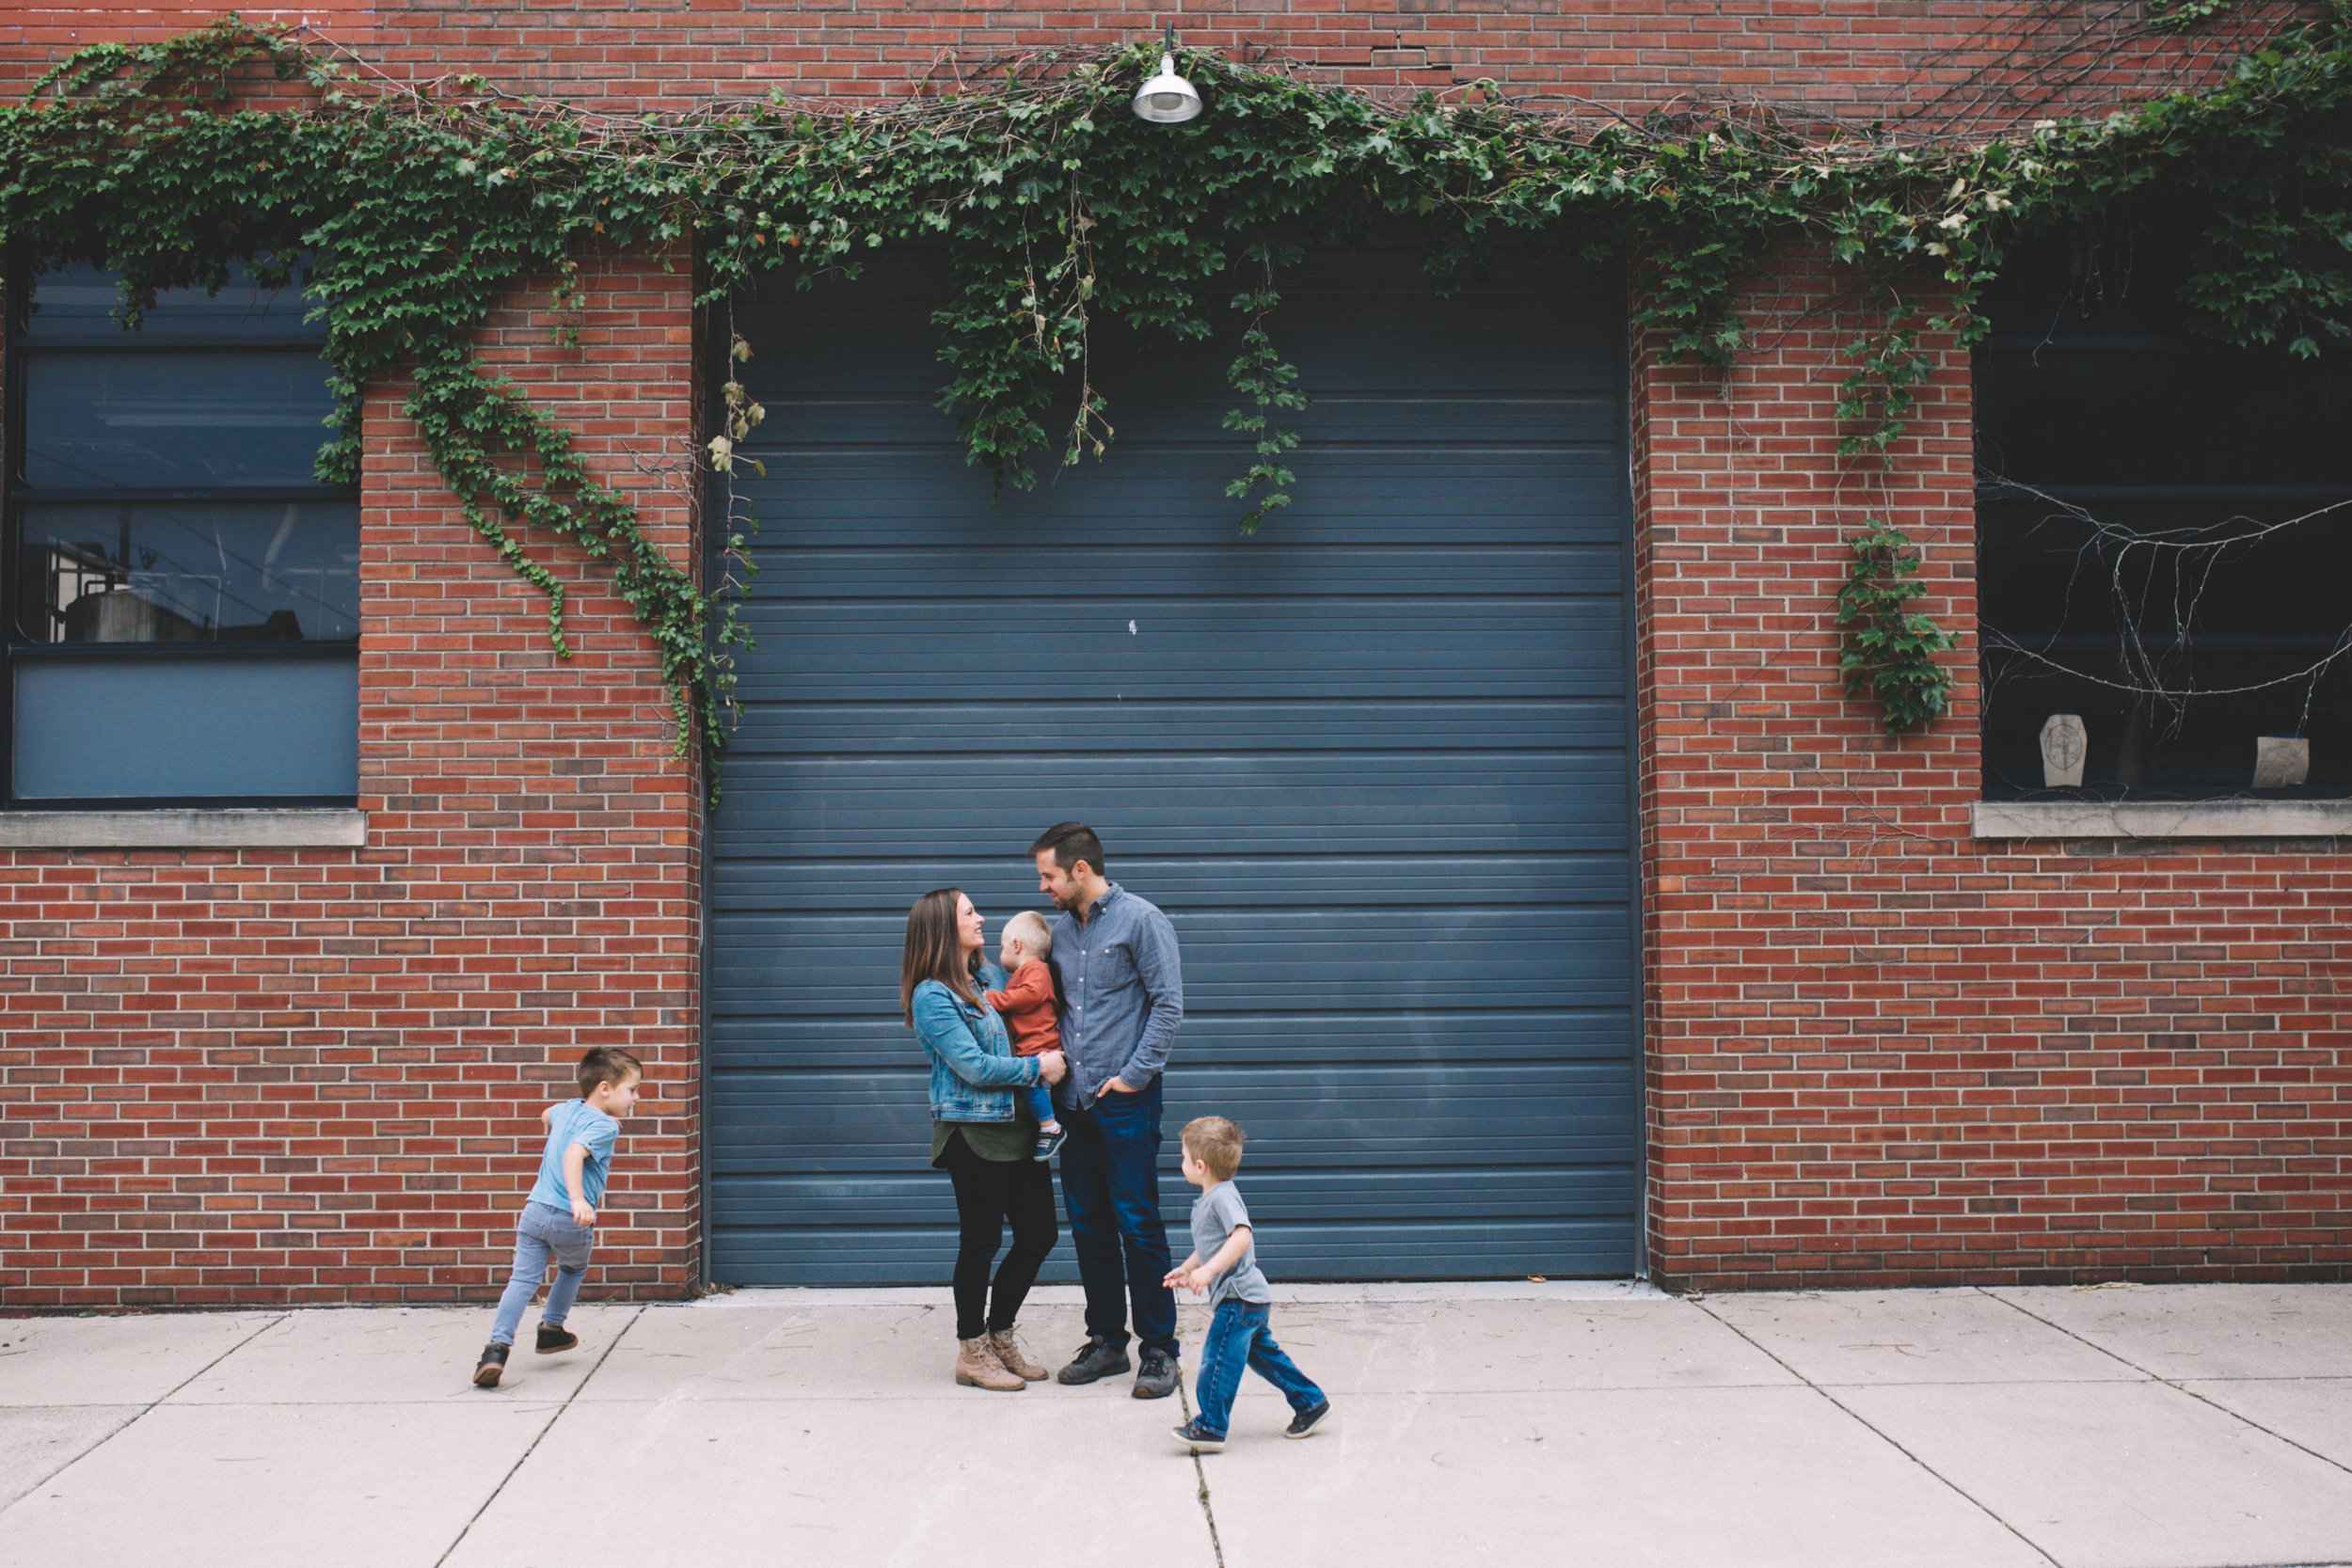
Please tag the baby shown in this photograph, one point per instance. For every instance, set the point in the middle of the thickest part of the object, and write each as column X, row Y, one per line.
column 1026, row 1005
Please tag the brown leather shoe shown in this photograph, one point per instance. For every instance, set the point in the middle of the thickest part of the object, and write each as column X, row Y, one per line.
column 976, row 1366
column 1010, row 1356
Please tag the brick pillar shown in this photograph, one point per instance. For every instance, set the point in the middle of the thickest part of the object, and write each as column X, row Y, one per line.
column 249, row 1076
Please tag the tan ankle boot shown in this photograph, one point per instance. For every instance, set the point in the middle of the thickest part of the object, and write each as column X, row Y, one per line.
column 1012, row 1359
column 976, row 1366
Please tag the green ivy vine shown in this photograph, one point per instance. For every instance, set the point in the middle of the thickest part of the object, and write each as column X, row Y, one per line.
column 1889, row 648
column 1056, row 209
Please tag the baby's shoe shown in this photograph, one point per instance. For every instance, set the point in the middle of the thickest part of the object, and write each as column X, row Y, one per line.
column 1049, row 1141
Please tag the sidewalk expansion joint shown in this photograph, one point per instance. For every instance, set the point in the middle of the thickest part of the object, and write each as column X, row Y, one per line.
column 2177, row 1386
column 258, row 1329
column 1885, row 1437
column 1200, row 1480
column 524, row 1458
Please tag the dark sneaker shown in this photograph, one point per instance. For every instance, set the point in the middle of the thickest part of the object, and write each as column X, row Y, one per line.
column 1156, row 1378
column 1049, row 1144
column 1096, row 1359
column 493, row 1367
column 1197, row 1438
column 554, row 1339
column 1304, row 1423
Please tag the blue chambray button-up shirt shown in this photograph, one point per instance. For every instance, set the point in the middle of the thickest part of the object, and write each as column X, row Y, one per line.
column 1122, row 992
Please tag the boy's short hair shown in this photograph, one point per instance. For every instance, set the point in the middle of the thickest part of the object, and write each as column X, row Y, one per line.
column 1216, row 1143
column 1033, row 930
column 605, row 1064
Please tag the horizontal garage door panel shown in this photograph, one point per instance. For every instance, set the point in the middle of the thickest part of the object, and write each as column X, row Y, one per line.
column 1329, row 803
column 1401, row 1030
column 1170, row 577
column 1109, row 727
column 1271, row 882
column 1308, row 958
column 1488, row 1116
column 1372, row 763
column 1310, row 1250
column 1356, row 500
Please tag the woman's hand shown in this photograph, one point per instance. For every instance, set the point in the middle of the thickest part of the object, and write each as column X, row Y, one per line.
column 1053, row 1065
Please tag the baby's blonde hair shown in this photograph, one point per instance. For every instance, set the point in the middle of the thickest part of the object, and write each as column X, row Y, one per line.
column 1031, row 928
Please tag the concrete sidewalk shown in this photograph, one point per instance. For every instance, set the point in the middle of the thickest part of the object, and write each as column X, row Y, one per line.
column 2120, row 1427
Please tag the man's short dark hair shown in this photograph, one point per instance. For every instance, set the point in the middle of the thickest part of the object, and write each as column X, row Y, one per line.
column 605, row 1064
column 1071, row 842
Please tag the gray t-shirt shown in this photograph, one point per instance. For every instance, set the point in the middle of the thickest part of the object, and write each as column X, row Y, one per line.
column 1216, row 1214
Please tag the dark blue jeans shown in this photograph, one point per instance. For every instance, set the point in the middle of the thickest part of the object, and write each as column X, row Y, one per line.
column 1110, row 1182
column 1238, row 1337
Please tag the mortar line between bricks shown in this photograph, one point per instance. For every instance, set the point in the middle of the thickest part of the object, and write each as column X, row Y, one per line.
column 2176, row 1384
column 258, row 1329
column 1883, row 1435
column 540, row 1436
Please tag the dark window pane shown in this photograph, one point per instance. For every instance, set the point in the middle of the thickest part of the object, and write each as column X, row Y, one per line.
column 178, row 728
column 195, row 572
column 2158, row 547
column 2092, row 374
column 2076, row 412
column 81, row 300
column 104, row 420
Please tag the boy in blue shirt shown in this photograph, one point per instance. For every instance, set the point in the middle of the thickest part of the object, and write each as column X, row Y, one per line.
column 559, row 1220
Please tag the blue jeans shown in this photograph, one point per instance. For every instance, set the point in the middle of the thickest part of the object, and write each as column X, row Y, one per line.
column 1238, row 1336
column 543, row 1233
column 1040, row 1100
column 1110, row 1182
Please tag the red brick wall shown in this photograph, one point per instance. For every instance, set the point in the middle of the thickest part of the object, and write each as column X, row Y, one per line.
column 288, row 1076
column 1881, row 1052
column 1928, row 62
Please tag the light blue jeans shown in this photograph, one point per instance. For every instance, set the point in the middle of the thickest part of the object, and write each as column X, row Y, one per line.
column 542, row 1234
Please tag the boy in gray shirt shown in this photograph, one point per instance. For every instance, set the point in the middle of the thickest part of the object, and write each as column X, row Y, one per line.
column 1224, row 1264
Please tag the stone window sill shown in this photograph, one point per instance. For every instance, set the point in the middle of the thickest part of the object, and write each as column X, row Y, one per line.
column 2162, row 819
column 240, row 827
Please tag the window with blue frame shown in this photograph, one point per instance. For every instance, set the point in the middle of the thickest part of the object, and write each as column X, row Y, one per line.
column 183, row 592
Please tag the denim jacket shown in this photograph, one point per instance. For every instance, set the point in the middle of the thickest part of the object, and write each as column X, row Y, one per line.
column 974, row 1070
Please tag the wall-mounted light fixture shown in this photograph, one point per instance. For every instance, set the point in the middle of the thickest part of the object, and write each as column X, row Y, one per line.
column 1167, row 99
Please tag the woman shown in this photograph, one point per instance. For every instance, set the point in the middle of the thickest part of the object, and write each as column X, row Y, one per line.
column 981, row 1135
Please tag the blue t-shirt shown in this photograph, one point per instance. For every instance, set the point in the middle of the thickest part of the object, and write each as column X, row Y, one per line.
column 576, row 1122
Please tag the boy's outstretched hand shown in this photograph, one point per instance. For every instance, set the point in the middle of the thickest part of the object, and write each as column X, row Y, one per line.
column 1181, row 1278
column 584, row 1213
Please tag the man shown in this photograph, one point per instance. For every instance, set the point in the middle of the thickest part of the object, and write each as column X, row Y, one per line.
column 1121, row 995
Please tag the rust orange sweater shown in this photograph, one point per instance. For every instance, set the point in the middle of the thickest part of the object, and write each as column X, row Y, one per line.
column 1026, row 1005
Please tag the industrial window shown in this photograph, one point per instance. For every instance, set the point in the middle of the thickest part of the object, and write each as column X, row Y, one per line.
column 183, row 594
column 2164, row 531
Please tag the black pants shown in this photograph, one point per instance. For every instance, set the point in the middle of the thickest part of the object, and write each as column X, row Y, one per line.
column 988, row 1193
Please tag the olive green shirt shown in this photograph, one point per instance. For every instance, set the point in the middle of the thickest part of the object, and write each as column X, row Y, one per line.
column 1000, row 1141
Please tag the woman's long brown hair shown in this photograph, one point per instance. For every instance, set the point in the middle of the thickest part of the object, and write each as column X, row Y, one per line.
column 933, row 952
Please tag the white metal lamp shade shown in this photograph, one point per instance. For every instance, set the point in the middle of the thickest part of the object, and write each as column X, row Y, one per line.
column 1167, row 99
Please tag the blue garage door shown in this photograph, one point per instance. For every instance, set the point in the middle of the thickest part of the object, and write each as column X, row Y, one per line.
column 1372, row 763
